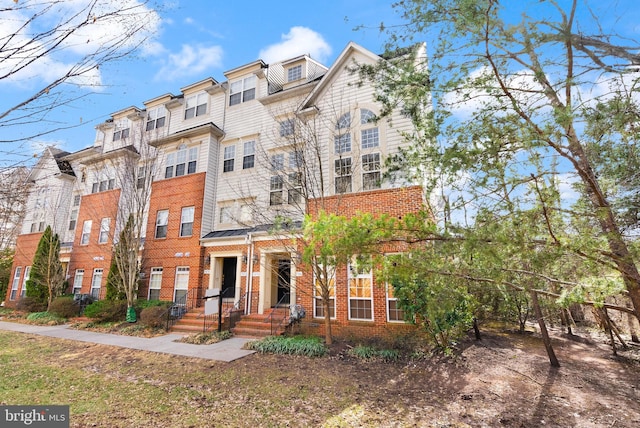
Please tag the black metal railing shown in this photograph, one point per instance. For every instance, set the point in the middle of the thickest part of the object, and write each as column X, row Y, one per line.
column 276, row 323
column 180, row 306
column 230, row 311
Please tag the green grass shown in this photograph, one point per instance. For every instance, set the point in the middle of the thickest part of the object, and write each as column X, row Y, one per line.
column 364, row 352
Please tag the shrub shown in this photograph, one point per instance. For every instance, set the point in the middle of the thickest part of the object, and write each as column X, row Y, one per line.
column 64, row 307
column 154, row 316
column 106, row 310
column 206, row 338
column 363, row 352
column 45, row 318
column 297, row 345
column 29, row 304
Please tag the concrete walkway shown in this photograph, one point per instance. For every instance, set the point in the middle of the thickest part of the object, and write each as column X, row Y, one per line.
column 227, row 350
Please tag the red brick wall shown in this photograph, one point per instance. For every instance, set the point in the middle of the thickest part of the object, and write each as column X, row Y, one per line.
column 173, row 251
column 93, row 255
column 26, row 246
column 394, row 202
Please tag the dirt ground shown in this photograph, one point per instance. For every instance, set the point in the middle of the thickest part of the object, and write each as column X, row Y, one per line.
column 504, row 380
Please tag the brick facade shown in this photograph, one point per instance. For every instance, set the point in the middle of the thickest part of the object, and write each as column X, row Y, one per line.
column 174, row 250
column 26, row 246
column 221, row 155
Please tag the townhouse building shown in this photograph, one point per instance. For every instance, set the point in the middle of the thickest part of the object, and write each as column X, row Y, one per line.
column 220, row 176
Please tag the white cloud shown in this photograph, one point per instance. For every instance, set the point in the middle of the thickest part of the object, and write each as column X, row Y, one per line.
column 124, row 24
column 190, row 61
column 299, row 41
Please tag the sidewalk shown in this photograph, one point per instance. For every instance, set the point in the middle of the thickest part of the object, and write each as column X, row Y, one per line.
column 227, row 350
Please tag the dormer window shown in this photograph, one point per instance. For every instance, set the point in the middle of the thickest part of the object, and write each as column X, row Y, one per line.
column 196, row 105
column 294, row 73
column 122, row 130
column 156, row 118
column 242, row 90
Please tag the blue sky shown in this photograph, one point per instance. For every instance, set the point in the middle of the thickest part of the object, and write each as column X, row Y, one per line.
column 197, row 39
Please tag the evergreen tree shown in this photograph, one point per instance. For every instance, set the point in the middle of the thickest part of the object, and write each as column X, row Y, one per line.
column 46, row 279
column 115, row 287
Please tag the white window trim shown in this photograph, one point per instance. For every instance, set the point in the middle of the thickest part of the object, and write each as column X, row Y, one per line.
column 184, row 219
column 181, row 272
column 319, row 299
column 229, row 157
column 78, row 284
column 156, row 272
column 27, row 274
column 86, row 232
column 15, row 284
column 105, row 227
column 97, row 273
column 350, row 276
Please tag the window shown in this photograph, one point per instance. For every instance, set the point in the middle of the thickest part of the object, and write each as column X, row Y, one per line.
column 181, row 162
column 27, row 274
column 15, row 283
column 77, row 281
column 103, row 185
column 242, row 90
column 196, row 105
column 342, row 143
column 95, row 283
column 343, row 175
column 76, row 200
column 228, row 158
column 277, row 162
column 344, row 122
column 226, row 214
column 394, row 313
column 122, row 130
column 186, row 221
column 141, row 179
column 371, row 171
column 369, row 136
column 286, row 128
column 295, row 160
column 156, row 118
column 86, row 232
column 181, row 285
column 360, row 292
column 248, row 161
column 73, row 218
column 294, row 195
column 104, row 230
column 246, row 213
column 34, row 227
column 318, row 307
column 155, row 283
column 294, row 73
column 275, row 191
column 162, row 220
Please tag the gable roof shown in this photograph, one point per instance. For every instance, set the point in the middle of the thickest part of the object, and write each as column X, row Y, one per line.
column 339, row 65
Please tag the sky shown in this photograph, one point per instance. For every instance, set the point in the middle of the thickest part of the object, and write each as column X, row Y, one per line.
column 192, row 40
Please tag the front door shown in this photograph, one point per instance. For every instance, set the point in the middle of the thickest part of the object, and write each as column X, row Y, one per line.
column 284, row 281
column 229, row 266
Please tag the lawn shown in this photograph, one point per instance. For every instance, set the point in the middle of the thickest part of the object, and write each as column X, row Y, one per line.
column 504, row 380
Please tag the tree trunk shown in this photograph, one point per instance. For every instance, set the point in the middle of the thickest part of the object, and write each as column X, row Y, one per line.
column 543, row 331
column 476, row 329
column 327, row 322
column 621, row 255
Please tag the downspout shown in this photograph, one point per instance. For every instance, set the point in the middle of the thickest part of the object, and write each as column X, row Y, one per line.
column 249, row 272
